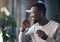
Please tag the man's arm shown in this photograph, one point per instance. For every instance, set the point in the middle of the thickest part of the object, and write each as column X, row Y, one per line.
column 56, row 36
column 23, row 37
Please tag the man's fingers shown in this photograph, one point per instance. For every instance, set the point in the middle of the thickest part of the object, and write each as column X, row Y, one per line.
column 39, row 32
column 25, row 23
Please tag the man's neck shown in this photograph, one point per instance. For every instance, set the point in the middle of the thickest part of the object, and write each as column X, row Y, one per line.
column 43, row 22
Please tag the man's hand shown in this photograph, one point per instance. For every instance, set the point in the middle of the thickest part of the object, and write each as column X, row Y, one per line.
column 25, row 24
column 42, row 34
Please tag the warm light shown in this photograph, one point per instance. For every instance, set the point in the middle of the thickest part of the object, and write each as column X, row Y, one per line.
column 28, row 10
column 4, row 9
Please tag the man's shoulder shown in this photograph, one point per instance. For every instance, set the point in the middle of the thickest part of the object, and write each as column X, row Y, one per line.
column 54, row 22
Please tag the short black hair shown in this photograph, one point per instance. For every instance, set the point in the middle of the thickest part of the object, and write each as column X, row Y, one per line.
column 40, row 7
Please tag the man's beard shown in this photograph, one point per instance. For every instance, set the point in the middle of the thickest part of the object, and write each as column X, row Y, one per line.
column 36, row 21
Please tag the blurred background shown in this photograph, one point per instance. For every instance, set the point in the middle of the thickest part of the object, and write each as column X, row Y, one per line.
column 13, row 12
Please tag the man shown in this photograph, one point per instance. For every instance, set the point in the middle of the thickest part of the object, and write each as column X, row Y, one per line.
column 43, row 30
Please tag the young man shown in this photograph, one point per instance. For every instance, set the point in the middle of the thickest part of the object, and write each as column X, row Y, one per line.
column 43, row 30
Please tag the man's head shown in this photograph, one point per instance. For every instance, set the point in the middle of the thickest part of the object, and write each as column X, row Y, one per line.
column 38, row 11
column 40, row 7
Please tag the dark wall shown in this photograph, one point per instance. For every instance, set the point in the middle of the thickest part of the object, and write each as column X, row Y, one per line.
column 52, row 9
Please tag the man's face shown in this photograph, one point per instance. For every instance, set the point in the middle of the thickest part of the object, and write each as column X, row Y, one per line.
column 35, row 14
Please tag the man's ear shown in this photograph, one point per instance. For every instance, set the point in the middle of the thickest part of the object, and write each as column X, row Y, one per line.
column 41, row 13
